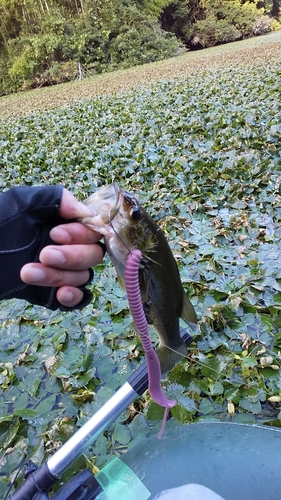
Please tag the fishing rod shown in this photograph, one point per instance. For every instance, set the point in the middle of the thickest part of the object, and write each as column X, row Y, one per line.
column 39, row 481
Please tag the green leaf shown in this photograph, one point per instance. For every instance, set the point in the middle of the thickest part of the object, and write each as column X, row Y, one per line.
column 206, row 407
column 26, row 414
column 216, row 388
column 251, row 406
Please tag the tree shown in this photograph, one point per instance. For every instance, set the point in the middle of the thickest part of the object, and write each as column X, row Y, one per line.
column 271, row 7
column 52, row 36
column 153, row 7
column 41, row 41
column 203, row 23
column 180, row 15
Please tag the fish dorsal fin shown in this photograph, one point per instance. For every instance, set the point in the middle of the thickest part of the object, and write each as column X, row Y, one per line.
column 188, row 314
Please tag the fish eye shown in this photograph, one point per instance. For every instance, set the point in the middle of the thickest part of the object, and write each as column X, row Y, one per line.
column 135, row 212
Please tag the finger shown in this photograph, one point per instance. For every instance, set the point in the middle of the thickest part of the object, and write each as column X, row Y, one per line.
column 74, row 257
column 71, row 208
column 38, row 274
column 69, row 296
column 74, row 232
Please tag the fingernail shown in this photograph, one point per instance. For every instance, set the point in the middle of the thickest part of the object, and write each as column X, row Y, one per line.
column 55, row 257
column 68, row 297
column 36, row 275
column 60, row 235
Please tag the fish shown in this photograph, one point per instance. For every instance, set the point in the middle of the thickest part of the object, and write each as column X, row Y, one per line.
column 125, row 226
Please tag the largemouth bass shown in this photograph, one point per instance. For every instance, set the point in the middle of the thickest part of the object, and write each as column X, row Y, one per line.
column 126, row 226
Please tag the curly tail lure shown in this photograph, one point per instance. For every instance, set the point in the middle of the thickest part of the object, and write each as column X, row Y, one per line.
column 153, row 365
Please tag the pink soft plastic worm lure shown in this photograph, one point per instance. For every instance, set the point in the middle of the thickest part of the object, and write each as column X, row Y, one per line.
column 153, row 365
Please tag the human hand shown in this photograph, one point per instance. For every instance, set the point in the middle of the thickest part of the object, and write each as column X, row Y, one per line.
column 66, row 265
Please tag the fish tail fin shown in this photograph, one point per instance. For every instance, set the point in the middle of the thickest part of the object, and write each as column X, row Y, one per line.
column 169, row 357
column 188, row 314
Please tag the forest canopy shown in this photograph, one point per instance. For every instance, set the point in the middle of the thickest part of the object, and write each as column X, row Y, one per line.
column 44, row 42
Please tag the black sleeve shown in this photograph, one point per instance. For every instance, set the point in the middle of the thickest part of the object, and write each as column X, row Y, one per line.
column 27, row 214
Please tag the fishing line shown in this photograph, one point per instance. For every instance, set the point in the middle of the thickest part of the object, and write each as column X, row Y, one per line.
column 118, row 235
column 185, row 356
column 143, row 261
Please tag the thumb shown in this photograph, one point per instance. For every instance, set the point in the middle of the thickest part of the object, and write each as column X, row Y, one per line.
column 71, row 208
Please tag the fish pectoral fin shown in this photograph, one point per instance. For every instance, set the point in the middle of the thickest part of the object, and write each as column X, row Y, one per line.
column 188, row 314
column 170, row 357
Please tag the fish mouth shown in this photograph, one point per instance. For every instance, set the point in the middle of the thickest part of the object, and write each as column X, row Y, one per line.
column 113, row 209
column 111, row 195
column 115, row 200
column 106, row 202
